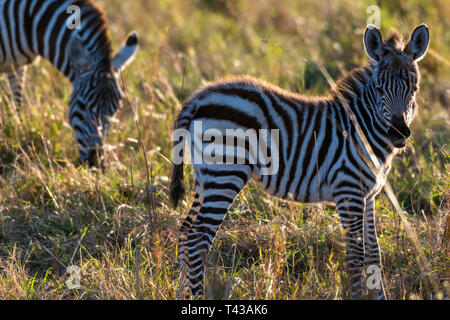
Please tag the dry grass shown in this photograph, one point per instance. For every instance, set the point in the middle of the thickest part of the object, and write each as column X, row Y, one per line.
column 53, row 214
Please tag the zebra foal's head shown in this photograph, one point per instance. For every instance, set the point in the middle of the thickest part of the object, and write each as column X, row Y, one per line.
column 96, row 95
column 396, row 77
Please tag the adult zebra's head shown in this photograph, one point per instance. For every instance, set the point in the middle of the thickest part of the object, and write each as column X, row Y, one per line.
column 396, row 78
column 96, row 95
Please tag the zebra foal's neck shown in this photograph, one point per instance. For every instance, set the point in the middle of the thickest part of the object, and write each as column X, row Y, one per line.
column 356, row 93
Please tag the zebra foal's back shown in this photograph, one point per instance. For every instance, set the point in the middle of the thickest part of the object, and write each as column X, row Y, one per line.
column 300, row 125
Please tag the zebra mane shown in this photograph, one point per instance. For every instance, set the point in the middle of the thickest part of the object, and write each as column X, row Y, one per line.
column 394, row 41
column 353, row 80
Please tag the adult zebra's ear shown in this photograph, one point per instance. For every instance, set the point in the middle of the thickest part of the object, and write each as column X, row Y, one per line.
column 417, row 47
column 372, row 42
column 79, row 56
column 126, row 54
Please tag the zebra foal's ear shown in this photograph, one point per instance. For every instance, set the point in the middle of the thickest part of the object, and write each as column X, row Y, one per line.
column 78, row 55
column 418, row 45
column 126, row 54
column 372, row 42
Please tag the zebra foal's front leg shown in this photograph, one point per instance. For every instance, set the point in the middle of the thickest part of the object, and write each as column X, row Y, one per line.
column 350, row 211
column 372, row 258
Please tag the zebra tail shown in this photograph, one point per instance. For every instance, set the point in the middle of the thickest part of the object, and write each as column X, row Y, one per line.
column 177, row 188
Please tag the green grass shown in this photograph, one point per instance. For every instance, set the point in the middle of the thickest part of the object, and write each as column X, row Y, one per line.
column 54, row 214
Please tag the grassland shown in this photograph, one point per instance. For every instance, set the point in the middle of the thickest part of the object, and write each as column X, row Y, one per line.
column 118, row 227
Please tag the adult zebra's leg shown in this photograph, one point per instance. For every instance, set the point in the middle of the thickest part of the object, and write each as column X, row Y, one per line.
column 16, row 79
column 182, row 249
column 220, row 189
column 350, row 211
column 372, row 259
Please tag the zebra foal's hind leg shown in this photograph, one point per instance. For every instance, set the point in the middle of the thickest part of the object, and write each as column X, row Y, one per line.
column 183, row 292
column 220, row 188
column 16, row 79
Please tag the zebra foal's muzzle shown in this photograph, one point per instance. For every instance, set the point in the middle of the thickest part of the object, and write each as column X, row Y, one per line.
column 399, row 132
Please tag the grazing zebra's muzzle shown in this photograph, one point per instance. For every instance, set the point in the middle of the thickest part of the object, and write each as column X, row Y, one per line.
column 95, row 158
column 92, row 151
column 399, row 132
column 90, row 132
column 92, row 155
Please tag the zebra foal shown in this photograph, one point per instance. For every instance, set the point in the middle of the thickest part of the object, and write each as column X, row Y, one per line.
column 319, row 155
column 73, row 35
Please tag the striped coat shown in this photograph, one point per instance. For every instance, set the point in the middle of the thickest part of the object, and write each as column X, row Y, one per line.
column 72, row 35
column 317, row 149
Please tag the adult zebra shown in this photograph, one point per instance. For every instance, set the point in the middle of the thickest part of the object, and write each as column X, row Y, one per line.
column 320, row 155
column 73, row 35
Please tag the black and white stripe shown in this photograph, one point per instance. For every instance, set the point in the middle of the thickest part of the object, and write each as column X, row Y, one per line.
column 321, row 154
column 32, row 28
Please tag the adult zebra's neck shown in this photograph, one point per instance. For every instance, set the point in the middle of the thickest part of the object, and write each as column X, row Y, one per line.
column 358, row 90
column 52, row 26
